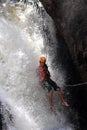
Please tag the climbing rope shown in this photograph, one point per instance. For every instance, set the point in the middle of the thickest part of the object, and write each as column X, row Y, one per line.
column 79, row 84
column 46, row 52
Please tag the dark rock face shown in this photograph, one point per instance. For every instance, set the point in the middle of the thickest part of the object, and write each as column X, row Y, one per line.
column 70, row 18
column 71, row 22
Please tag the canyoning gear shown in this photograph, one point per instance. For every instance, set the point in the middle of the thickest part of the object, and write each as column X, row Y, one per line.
column 42, row 59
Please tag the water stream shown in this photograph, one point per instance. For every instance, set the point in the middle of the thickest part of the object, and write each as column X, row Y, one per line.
column 21, row 44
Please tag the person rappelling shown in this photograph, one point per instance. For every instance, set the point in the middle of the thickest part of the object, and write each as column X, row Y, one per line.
column 47, row 83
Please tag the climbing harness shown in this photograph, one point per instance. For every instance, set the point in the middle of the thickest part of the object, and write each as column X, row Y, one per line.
column 46, row 52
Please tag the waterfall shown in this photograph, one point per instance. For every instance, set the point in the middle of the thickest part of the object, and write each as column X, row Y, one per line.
column 21, row 96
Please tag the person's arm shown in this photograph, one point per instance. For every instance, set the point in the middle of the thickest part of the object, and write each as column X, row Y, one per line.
column 47, row 71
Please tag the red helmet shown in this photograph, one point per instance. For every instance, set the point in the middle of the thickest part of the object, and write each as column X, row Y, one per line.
column 42, row 59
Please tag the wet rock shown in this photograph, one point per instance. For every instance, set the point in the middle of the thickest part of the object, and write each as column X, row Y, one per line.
column 71, row 28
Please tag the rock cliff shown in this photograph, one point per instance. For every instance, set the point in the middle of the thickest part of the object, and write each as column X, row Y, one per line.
column 71, row 22
column 70, row 18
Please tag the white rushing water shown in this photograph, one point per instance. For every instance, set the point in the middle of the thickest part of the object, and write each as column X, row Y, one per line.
column 21, row 44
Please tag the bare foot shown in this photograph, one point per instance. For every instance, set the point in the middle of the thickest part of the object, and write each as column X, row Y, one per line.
column 52, row 108
column 65, row 104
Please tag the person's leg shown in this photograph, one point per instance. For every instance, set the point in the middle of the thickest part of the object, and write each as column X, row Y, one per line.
column 49, row 90
column 50, row 97
column 59, row 92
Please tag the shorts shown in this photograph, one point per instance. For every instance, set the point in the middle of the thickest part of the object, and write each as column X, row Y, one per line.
column 49, row 84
